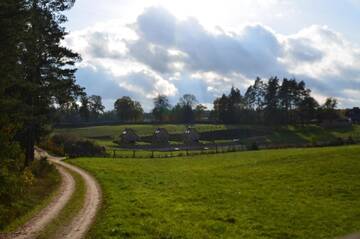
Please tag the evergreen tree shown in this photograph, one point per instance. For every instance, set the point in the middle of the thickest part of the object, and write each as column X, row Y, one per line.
column 221, row 108
column 48, row 68
column 271, row 101
column 235, row 106
column 254, row 101
column 12, row 25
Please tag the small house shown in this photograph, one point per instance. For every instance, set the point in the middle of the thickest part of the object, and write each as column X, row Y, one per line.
column 338, row 123
column 354, row 115
column 160, row 137
column 129, row 137
column 191, row 136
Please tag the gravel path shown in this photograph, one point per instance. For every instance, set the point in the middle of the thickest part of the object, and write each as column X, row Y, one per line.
column 80, row 224
column 32, row 228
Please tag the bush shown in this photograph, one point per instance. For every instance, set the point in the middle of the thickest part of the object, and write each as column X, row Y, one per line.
column 20, row 189
column 53, row 145
column 73, row 146
column 83, row 148
column 41, row 168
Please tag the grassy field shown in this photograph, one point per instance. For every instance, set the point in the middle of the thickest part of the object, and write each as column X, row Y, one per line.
column 293, row 193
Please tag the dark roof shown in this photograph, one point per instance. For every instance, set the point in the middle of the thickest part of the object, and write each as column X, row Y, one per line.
column 191, row 135
column 129, row 135
column 354, row 114
column 160, row 136
column 160, row 131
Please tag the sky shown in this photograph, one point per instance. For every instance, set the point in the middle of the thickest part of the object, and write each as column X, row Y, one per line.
column 142, row 48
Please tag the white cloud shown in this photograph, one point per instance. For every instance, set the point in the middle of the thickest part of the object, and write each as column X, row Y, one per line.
column 318, row 51
column 162, row 54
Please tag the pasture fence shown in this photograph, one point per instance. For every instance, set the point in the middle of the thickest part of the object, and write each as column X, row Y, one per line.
column 183, row 151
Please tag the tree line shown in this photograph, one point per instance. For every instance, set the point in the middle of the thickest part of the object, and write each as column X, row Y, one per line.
column 89, row 109
column 271, row 102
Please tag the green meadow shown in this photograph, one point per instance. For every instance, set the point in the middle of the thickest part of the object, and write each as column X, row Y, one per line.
column 291, row 193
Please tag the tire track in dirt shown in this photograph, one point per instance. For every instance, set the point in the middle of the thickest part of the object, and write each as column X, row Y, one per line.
column 34, row 226
column 81, row 223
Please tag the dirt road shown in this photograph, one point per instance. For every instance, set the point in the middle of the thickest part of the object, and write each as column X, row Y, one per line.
column 36, row 224
column 80, row 224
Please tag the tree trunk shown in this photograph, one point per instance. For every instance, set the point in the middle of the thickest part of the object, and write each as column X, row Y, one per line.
column 30, row 146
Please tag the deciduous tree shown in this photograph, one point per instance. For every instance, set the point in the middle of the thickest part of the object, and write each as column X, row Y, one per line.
column 161, row 108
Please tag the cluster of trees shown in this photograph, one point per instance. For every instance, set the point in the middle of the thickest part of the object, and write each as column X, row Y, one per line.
column 187, row 110
column 85, row 108
column 127, row 110
column 273, row 102
column 91, row 109
column 264, row 102
column 37, row 75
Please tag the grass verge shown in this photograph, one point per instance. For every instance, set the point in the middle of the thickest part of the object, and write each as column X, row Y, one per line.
column 292, row 193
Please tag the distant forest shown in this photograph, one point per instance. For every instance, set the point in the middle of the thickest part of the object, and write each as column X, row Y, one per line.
column 269, row 102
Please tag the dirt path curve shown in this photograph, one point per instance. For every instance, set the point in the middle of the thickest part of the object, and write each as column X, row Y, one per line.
column 82, row 222
column 46, row 215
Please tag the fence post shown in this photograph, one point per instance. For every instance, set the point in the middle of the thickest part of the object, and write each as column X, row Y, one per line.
column 114, row 153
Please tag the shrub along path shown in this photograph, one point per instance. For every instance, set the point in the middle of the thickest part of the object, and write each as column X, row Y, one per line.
column 80, row 224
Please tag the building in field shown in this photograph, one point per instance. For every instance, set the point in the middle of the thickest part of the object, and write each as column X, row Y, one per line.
column 338, row 123
column 160, row 137
column 191, row 136
column 354, row 115
column 129, row 137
